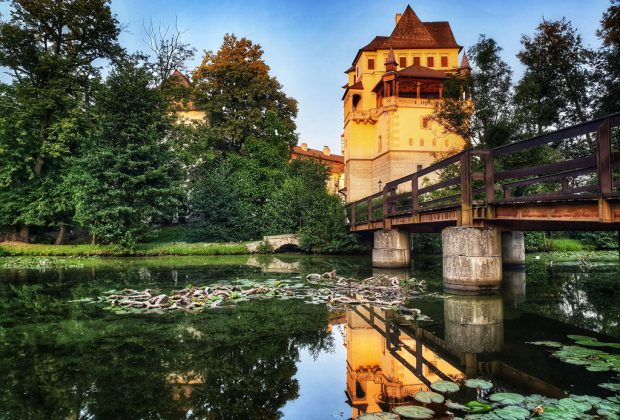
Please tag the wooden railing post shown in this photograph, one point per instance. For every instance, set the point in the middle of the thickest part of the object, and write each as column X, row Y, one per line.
column 415, row 198
column 392, row 201
column 466, row 218
column 385, row 208
column 604, row 158
column 489, row 181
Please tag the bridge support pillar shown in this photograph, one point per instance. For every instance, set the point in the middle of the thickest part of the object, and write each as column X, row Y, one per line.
column 513, row 250
column 391, row 249
column 472, row 258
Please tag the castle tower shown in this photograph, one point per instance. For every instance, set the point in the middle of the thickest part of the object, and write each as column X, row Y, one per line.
column 392, row 88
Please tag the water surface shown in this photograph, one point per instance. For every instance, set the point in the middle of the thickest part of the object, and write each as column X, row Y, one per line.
column 283, row 359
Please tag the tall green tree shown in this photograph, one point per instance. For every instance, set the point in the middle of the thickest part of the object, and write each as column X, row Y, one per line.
column 236, row 90
column 555, row 90
column 484, row 117
column 126, row 179
column 609, row 60
column 50, row 48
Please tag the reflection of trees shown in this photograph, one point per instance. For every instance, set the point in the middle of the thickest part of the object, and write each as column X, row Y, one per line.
column 71, row 360
column 574, row 296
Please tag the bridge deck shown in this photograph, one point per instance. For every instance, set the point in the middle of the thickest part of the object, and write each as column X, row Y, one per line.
column 486, row 188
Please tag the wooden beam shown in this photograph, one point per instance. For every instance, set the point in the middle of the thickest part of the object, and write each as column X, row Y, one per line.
column 466, row 210
column 604, row 158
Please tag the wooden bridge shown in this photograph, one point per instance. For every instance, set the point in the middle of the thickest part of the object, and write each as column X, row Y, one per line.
column 485, row 188
column 482, row 200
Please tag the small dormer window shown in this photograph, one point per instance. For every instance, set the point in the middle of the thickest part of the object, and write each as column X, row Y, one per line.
column 444, row 61
column 371, row 64
column 416, row 61
column 430, row 61
column 403, row 62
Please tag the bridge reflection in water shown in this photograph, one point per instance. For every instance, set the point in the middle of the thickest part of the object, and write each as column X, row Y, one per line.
column 389, row 358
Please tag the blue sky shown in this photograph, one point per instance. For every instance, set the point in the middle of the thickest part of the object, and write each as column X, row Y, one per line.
column 309, row 44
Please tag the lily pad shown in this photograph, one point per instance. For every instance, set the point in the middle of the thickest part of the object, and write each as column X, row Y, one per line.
column 610, row 386
column 545, row 343
column 507, row 398
column 478, row 407
column 478, row 383
column 414, row 412
column 571, row 404
column 512, row 412
column 456, row 406
column 378, row 416
column 444, row 386
column 559, row 413
column 428, row 397
column 580, row 337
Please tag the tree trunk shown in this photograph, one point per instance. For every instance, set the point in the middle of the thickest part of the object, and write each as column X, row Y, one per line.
column 61, row 235
column 93, row 241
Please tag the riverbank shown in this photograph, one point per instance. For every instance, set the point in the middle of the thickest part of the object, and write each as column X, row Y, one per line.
column 16, row 249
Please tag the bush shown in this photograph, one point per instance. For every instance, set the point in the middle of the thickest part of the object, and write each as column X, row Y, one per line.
column 426, row 243
column 566, row 245
column 535, row 242
column 597, row 240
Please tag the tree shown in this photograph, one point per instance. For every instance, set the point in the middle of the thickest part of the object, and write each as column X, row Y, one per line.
column 126, row 178
column 608, row 64
column 555, row 90
column 485, row 119
column 235, row 89
column 50, row 47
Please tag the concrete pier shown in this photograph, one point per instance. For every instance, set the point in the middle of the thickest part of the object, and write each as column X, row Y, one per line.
column 391, row 249
column 513, row 250
column 472, row 258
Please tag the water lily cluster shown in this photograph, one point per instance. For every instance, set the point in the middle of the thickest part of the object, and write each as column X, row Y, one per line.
column 328, row 288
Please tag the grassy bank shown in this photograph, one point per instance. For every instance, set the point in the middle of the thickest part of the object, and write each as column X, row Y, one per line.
column 142, row 250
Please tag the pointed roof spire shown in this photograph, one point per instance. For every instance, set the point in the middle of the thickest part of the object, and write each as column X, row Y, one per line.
column 410, row 26
column 390, row 61
column 465, row 61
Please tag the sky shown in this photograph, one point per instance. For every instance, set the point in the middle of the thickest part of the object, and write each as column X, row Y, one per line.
column 309, row 44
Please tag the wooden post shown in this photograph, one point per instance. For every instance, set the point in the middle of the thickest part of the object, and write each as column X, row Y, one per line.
column 385, row 209
column 604, row 158
column 415, row 198
column 489, row 180
column 466, row 207
column 564, row 185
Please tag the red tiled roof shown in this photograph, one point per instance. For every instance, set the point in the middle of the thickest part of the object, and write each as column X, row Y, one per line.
column 420, row 71
column 350, row 69
column 411, row 33
column 317, row 154
column 357, row 85
column 465, row 62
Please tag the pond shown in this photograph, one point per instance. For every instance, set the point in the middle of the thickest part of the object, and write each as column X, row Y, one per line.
column 265, row 359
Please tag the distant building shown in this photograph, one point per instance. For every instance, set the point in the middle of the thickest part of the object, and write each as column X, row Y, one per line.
column 392, row 88
column 335, row 163
column 186, row 111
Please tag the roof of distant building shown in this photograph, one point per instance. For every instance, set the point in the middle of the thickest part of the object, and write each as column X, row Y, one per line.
column 324, row 154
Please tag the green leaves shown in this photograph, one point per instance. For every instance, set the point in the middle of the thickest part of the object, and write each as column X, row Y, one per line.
column 478, row 383
column 507, row 398
column 444, row 386
column 414, row 412
column 428, row 397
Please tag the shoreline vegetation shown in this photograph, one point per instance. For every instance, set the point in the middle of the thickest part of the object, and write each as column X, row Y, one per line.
column 198, row 249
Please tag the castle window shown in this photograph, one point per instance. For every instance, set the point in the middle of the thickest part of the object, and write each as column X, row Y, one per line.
column 419, row 168
column 356, row 101
column 446, row 142
column 416, row 61
column 430, row 61
column 421, row 142
column 403, row 62
column 444, row 61
column 371, row 64
column 426, row 123
column 434, row 142
column 410, row 141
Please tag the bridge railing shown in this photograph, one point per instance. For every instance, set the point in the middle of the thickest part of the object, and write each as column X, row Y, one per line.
column 479, row 178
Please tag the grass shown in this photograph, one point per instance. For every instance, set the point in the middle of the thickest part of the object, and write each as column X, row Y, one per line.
column 566, row 245
column 142, row 250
